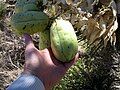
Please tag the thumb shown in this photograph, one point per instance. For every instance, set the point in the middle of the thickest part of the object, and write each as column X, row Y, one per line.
column 30, row 48
column 28, row 41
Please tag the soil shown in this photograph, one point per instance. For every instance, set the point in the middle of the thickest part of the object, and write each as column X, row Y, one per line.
column 11, row 56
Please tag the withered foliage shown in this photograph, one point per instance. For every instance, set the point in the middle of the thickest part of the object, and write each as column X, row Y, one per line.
column 95, row 21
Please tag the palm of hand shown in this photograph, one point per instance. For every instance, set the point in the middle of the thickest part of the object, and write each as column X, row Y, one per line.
column 43, row 64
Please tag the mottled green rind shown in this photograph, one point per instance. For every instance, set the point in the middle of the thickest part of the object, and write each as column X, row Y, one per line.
column 29, row 22
column 19, row 6
column 30, row 7
column 44, row 39
column 63, row 40
column 2, row 9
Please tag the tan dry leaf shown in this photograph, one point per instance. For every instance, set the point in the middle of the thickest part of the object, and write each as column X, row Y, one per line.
column 85, row 5
column 90, row 26
column 115, row 25
column 73, row 19
column 107, row 36
column 53, row 10
column 97, row 42
column 94, row 35
column 110, row 36
column 103, row 26
column 109, row 19
column 113, row 39
column 69, row 2
column 106, row 41
column 105, row 2
column 81, row 23
column 114, row 8
column 113, row 28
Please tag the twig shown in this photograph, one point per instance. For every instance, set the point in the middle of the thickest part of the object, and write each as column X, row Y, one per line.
column 12, row 62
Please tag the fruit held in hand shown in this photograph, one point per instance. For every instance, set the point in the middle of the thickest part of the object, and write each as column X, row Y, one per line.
column 44, row 39
column 63, row 40
column 29, row 22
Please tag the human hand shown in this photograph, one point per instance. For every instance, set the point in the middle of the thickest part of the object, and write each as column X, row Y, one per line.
column 44, row 65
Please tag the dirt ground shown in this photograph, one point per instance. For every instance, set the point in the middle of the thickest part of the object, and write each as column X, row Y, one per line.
column 11, row 56
column 12, row 49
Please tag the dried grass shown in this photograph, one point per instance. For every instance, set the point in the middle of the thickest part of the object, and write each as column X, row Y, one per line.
column 11, row 57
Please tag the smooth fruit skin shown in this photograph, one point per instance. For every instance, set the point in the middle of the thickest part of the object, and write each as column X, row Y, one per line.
column 63, row 40
column 29, row 22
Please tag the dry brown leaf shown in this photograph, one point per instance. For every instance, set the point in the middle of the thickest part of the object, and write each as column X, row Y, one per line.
column 95, row 35
column 90, row 26
column 106, row 41
column 113, row 39
column 69, row 2
column 115, row 25
column 81, row 23
column 108, row 36
column 105, row 2
column 83, row 5
column 103, row 26
column 114, row 8
column 97, row 42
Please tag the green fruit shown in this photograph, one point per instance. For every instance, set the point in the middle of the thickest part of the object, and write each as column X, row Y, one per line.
column 29, row 22
column 2, row 9
column 63, row 40
column 26, row 1
column 19, row 6
column 30, row 7
column 44, row 39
